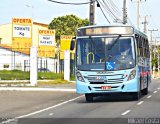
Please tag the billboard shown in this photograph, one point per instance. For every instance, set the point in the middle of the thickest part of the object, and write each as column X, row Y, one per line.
column 21, row 34
column 65, row 42
column 46, row 43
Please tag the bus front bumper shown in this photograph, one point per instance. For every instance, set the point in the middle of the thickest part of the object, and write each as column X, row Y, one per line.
column 127, row 86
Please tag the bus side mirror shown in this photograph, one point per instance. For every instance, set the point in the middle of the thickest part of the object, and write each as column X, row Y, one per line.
column 72, row 44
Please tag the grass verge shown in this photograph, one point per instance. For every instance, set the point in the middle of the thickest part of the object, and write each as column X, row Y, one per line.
column 21, row 75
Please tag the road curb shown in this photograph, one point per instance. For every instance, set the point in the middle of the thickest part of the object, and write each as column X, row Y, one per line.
column 35, row 89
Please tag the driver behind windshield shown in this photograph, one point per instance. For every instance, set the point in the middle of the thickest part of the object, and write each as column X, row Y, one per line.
column 125, row 48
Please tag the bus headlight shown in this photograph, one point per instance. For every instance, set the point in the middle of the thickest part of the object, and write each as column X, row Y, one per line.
column 79, row 76
column 132, row 75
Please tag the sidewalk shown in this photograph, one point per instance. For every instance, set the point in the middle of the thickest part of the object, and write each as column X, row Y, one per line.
column 70, row 87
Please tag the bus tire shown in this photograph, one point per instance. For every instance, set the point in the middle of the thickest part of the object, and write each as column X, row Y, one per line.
column 138, row 94
column 89, row 97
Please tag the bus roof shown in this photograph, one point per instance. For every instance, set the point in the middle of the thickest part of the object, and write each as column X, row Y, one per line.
column 135, row 31
column 116, row 25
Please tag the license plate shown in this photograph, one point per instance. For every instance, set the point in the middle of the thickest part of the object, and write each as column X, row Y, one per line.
column 105, row 87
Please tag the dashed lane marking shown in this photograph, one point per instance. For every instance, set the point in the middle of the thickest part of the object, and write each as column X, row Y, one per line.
column 50, row 114
column 126, row 112
column 149, row 96
column 140, row 103
column 155, row 92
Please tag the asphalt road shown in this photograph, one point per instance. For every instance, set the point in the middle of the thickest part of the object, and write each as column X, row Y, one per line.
column 17, row 103
column 114, row 108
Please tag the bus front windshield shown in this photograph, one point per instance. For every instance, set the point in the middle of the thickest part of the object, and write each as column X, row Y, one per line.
column 105, row 53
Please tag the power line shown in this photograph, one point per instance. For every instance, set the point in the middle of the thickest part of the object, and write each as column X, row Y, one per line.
column 153, row 22
column 104, row 15
column 116, row 8
column 128, row 16
column 132, row 8
column 109, row 10
column 103, row 12
column 112, row 7
column 70, row 3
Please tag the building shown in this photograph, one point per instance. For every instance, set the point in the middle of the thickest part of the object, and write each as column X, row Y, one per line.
column 20, row 60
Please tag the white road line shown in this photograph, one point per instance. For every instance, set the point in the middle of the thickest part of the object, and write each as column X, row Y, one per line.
column 158, row 88
column 155, row 92
column 35, row 89
column 149, row 96
column 36, row 112
column 14, row 121
column 140, row 103
column 51, row 107
column 50, row 114
column 126, row 112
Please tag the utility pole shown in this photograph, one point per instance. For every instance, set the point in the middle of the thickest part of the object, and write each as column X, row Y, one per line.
column 145, row 24
column 151, row 33
column 138, row 15
column 138, row 9
column 151, row 53
column 92, row 12
column 124, row 12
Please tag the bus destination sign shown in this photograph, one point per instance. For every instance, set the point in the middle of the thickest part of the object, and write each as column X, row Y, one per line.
column 126, row 30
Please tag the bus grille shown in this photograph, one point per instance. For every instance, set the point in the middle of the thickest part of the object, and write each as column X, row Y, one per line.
column 111, row 79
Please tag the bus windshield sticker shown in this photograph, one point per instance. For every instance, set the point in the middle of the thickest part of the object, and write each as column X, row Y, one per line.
column 109, row 66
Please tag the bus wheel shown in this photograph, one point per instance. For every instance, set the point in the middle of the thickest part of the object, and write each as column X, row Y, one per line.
column 138, row 94
column 145, row 91
column 89, row 97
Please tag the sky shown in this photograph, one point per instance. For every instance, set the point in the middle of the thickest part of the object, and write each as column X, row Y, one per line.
column 45, row 11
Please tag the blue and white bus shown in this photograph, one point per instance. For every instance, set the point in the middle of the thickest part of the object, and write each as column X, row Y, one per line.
column 112, row 59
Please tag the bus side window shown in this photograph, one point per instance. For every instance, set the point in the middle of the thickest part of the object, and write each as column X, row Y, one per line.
column 141, row 52
column 137, row 42
column 146, row 49
column 140, row 46
column 140, row 42
column 143, row 47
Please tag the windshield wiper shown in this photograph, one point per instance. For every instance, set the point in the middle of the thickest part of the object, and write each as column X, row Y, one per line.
column 115, row 41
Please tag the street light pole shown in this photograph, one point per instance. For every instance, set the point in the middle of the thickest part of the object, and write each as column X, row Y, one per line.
column 32, row 7
column 145, row 24
column 33, row 57
column 138, row 13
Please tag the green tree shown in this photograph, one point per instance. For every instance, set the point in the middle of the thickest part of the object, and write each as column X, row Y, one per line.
column 67, row 25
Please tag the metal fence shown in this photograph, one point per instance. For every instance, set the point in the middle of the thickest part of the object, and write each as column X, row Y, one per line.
column 14, row 60
column 72, row 66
